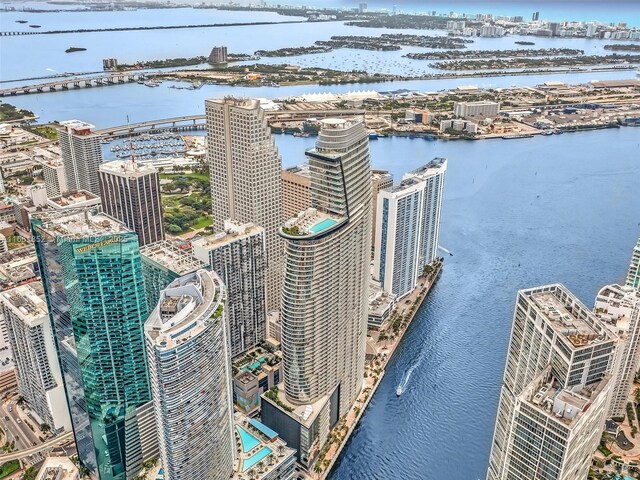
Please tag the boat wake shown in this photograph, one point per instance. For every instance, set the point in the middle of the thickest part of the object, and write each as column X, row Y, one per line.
column 405, row 380
column 445, row 250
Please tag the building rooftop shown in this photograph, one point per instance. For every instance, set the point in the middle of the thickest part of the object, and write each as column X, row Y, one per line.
column 27, row 301
column 302, row 170
column 80, row 223
column 169, row 256
column 184, row 307
column 304, row 414
column 233, row 231
column 545, row 394
column 77, row 126
column 615, row 305
column 58, row 468
column 73, row 200
column 569, row 317
column 127, row 168
column 258, row 444
column 419, row 175
column 311, row 222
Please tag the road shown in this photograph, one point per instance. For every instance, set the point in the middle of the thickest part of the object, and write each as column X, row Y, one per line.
column 19, row 432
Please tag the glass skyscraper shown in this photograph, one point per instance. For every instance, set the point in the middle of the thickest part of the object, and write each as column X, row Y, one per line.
column 92, row 275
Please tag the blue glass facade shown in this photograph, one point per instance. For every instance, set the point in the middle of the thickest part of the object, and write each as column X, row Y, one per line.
column 96, row 299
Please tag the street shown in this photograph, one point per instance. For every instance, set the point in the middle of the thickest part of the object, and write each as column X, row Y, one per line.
column 17, row 431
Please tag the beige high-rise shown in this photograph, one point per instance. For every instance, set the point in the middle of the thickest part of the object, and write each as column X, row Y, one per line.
column 325, row 288
column 245, row 167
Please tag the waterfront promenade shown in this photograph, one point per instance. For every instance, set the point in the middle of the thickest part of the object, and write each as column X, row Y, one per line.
column 384, row 343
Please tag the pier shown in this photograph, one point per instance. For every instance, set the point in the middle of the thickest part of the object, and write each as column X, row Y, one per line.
column 73, row 83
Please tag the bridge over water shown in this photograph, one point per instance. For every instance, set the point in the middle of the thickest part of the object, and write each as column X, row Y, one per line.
column 73, row 83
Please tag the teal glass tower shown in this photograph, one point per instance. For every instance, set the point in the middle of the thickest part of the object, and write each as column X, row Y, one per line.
column 92, row 274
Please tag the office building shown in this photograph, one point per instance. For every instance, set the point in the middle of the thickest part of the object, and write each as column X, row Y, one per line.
column 296, row 190
column 362, row 7
column 190, row 370
column 245, row 170
column 38, row 371
column 619, row 307
column 130, row 192
column 73, row 200
column 218, row 56
column 162, row 263
column 556, row 388
column 325, row 292
column 633, row 276
column 484, row 108
column 535, row 17
column 54, row 177
column 238, row 256
column 81, row 155
column 92, row 276
column 380, row 180
column 408, row 228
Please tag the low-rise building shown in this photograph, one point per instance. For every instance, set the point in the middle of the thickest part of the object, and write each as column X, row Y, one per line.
column 258, row 373
column 58, row 468
column 261, row 452
column 381, row 305
column 459, row 126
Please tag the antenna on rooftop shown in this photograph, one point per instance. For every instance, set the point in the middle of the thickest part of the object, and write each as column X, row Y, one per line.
column 133, row 158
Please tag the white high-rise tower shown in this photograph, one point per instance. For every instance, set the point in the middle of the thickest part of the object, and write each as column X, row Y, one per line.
column 187, row 338
column 556, row 389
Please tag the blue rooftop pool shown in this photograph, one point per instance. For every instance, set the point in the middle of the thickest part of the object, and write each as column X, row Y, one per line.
column 249, row 442
column 323, row 225
column 255, row 458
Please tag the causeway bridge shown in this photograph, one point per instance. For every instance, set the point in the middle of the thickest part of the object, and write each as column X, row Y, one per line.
column 73, row 83
column 198, row 122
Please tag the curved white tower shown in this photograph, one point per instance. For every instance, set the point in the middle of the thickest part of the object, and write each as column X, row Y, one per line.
column 190, row 370
column 327, row 257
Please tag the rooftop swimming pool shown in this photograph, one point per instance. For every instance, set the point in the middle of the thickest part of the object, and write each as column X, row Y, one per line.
column 255, row 365
column 255, row 458
column 323, row 225
column 249, row 442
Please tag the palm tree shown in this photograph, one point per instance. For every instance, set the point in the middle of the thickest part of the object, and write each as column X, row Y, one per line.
column 45, row 428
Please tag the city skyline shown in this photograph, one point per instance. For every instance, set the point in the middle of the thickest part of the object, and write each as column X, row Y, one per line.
column 208, row 271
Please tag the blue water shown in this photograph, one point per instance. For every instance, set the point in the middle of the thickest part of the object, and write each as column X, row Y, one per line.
column 516, row 214
column 255, row 458
column 322, row 225
column 47, row 52
column 249, row 442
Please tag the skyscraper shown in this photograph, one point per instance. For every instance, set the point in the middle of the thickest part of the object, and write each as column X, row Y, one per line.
column 556, row 389
column 190, row 369
column 34, row 353
column 81, row 155
column 408, row 227
column 619, row 307
column 380, row 180
column 92, row 277
column 130, row 192
column 238, row 256
column 633, row 277
column 325, row 288
column 245, row 167
column 54, row 177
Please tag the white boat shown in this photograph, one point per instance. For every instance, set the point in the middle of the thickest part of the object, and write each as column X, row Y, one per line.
column 399, row 390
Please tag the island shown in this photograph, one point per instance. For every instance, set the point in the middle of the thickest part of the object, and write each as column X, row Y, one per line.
column 75, row 49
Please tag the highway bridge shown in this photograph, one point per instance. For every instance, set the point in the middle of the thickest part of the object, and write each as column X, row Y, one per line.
column 21, row 454
column 197, row 122
column 73, row 83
